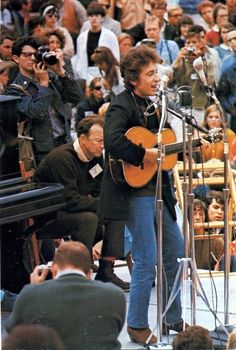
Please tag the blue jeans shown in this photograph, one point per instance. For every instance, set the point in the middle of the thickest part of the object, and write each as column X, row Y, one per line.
column 141, row 223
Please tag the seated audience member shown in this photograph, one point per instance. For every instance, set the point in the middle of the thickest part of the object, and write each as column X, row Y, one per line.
column 231, row 344
column 125, row 43
column 193, row 338
column 185, row 23
column 214, row 118
column 91, row 104
column 205, row 9
column 215, row 208
column 44, row 90
column 207, row 251
column 86, row 314
column 33, row 337
column 79, row 167
column 109, row 69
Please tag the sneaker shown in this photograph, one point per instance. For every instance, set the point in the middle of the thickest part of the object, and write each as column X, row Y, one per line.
column 110, row 276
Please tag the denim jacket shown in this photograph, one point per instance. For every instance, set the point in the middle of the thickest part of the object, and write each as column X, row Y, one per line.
column 37, row 104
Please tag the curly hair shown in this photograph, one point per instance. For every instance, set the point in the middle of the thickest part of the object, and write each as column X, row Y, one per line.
column 134, row 61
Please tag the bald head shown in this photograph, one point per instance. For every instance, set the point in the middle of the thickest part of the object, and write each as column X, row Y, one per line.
column 74, row 255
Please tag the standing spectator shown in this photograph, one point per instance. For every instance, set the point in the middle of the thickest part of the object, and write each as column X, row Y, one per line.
column 125, row 42
column 51, row 14
column 5, row 66
column 231, row 344
column 36, row 26
column 220, row 16
column 86, row 314
column 44, row 92
column 90, row 39
column 72, row 16
column 110, row 71
column 205, row 9
column 107, row 22
column 185, row 23
column 172, row 29
column 6, row 41
column 167, row 49
column 226, row 90
column 6, row 17
column 184, row 73
column 129, row 12
column 223, row 48
column 90, row 105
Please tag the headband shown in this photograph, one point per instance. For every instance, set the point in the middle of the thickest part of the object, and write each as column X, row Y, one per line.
column 231, row 34
column 47, row 9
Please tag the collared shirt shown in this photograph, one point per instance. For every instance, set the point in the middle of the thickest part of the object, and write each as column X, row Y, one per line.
column 80, row 152
column 70, row 271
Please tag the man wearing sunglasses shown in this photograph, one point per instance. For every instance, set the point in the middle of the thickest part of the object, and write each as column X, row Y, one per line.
column 44, row 90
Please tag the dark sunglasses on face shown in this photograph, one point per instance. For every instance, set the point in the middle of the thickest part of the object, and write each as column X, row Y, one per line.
column 50, row 15
column 98, row 88
column 106, row 6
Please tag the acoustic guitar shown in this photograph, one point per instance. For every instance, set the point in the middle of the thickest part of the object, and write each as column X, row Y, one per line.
column 138, row 176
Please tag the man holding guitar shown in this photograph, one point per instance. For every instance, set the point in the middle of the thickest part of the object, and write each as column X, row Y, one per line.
column 135, row 202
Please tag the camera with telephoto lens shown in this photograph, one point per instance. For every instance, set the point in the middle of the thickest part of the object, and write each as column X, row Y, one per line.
column 44, row 55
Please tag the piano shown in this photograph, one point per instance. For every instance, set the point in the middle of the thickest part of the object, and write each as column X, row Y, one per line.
column 18, row 200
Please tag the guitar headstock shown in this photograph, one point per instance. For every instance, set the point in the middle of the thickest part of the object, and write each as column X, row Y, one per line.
column 214, row 135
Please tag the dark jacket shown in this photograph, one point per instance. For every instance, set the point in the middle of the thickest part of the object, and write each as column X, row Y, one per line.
column 122, row 115
column 37, row 104
column 86, row 314
column 62, row 165
column 87, row 106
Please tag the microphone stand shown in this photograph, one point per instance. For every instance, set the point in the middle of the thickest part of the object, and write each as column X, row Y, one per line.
column 212, row 95
column 159, row 220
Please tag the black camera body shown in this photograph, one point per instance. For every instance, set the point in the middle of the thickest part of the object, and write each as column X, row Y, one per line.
column 44, row 55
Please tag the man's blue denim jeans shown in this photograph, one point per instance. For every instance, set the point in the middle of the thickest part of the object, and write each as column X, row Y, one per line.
column 141, row 223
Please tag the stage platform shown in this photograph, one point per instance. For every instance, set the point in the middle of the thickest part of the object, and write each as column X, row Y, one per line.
column 214, row 289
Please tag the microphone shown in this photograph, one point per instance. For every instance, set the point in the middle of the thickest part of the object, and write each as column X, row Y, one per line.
column 198, row 66
column 163, row 82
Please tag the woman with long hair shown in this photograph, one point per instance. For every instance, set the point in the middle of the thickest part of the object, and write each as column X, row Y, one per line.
column 214, row 118
column 109, row 69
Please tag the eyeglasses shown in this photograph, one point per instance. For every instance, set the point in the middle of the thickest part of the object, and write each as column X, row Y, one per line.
column 97, row 88
column 27, row 54
column 50, row 15
column 158, row 6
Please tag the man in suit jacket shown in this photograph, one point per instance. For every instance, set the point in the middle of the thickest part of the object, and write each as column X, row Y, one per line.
column 86, row 314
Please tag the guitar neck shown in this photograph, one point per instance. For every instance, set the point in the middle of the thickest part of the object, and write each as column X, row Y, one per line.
column 177, row 147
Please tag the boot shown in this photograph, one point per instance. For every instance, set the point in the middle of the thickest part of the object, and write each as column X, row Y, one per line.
column 106, row 274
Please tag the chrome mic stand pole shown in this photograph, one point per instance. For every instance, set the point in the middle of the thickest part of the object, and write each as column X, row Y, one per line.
column 226, row 210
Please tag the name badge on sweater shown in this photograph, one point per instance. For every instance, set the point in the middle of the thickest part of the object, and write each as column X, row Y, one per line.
column 95, row 171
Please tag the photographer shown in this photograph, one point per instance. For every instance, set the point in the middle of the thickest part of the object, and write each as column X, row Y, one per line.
column 184, row 73
column 45, row 87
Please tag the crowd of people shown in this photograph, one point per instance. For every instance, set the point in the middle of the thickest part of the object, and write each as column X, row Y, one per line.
column 89, row 74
